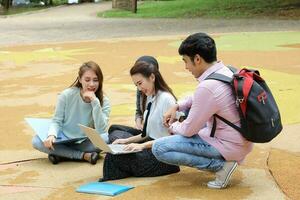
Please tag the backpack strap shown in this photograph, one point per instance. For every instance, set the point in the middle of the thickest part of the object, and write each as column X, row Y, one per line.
column 228, row 80
column 219, row 77
column 232, row 68
column 239, row 90
column 213, row 130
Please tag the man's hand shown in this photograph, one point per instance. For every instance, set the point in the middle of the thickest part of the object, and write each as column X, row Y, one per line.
column 170, row 116
column 139, row 124
column 48, row 143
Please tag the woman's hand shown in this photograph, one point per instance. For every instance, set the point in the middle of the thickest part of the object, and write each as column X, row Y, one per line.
column 48, row 143
column 121, row 141
column 139, row 124
column 88, row 96
column 134, row 147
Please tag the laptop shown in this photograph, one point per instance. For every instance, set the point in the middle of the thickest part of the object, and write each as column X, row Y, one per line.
column 98, row 141
column 41, row 126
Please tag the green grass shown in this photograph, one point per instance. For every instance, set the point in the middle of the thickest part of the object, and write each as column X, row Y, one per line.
column 211, row 8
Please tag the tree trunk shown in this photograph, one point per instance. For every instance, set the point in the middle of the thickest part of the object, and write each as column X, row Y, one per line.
column 134, row 6
column 125, row 5
column 6, row 4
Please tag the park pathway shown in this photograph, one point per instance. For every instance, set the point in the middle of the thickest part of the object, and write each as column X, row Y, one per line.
column 80, row 22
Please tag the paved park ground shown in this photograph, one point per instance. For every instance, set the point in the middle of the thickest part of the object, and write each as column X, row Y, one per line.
column 39, row 57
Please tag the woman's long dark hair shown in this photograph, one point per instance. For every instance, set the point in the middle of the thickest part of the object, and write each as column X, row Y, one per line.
column 146, row 69
column 95, row 67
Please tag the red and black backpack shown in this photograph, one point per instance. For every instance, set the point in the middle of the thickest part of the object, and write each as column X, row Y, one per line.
column 260, row 117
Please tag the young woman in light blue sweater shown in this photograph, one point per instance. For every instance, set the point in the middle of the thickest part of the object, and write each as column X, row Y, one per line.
column 82, row 103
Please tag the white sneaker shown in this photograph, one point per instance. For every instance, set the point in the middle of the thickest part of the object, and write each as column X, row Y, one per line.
column 223, row 175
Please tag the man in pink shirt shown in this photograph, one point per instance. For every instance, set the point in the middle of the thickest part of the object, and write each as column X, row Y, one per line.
column 191, row 144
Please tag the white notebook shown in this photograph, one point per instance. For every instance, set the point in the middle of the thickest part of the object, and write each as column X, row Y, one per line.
column 41, row 126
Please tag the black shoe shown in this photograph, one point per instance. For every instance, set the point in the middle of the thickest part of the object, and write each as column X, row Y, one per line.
column 94, row 158
column 101, row 180
column 54, row 159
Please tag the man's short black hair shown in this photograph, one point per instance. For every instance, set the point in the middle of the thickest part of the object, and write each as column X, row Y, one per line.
column 199, row 43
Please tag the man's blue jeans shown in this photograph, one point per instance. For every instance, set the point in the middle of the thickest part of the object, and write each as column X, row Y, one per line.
column 188, row 151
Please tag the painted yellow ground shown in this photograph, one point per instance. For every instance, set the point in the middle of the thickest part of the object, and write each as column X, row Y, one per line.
column 32, row 76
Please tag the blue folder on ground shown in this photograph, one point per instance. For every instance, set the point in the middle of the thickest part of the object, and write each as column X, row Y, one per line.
column 109, row 189
column 41, row 127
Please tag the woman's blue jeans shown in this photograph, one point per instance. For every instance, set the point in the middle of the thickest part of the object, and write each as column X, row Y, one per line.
column 189, row 151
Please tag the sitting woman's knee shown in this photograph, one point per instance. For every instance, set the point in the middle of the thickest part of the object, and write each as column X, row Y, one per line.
column 36, row 142
column 113, row 128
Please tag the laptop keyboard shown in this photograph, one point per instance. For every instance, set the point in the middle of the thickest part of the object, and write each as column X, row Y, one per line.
column 117, row 147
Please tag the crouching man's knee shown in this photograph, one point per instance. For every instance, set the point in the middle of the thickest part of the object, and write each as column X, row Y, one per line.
column 158, row 148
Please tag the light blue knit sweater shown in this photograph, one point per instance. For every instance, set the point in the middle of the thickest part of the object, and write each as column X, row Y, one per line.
column 71, row 110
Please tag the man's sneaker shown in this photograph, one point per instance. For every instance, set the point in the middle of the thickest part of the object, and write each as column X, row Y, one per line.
column 223, row 176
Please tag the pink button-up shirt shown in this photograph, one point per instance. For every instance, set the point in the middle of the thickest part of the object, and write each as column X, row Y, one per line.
column 214, row 97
